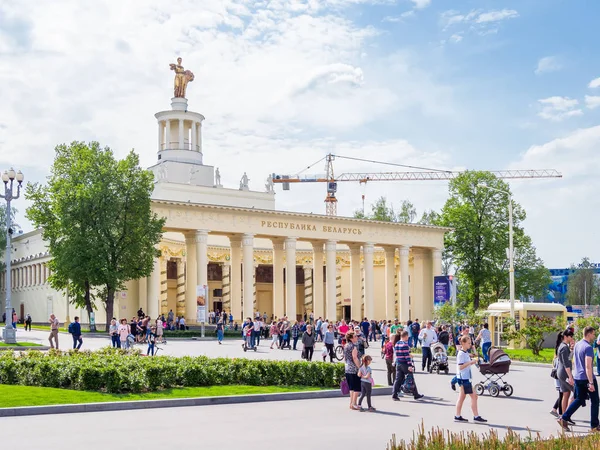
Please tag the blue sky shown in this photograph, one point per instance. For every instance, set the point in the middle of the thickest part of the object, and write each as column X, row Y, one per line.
column 434, row 83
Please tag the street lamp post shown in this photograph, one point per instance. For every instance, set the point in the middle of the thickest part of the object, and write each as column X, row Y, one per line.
column 511, row 251
column 8, row 177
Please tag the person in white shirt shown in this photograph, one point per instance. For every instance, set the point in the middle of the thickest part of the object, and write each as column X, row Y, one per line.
column 182, row 323
column 427, row 336
column 257, row 328
column 324, row 327
column 463, row 373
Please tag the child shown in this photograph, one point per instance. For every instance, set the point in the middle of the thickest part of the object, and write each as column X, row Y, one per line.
column 463, row 373
column 151, row 341
column 366, row 382
column 247, row 335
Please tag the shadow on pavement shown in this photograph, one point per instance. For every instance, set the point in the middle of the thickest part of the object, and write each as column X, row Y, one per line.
column 390, row 413
column 525, row 399
column 509, row 427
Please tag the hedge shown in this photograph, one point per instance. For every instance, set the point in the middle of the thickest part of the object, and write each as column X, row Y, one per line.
column 112, row 370
column 440, row 439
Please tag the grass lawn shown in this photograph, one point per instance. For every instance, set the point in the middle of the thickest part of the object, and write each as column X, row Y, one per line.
column 11, row 396
column 20, row 344
column 526, row 355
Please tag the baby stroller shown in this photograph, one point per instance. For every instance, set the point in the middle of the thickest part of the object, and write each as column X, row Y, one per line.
column 493, row 372
column 440, row 359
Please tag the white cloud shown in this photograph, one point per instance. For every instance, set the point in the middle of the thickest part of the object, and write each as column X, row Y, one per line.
column 476, row 20
column 548, row 64
column 420, row 4
column 559, row 108
column 595, row 83
column 592, row 101
column 457, row 37
column 562, row 214
column 396, row 19
column 497, row 16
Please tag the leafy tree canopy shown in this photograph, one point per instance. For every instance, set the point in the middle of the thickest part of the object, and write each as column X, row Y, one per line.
column 96, row 216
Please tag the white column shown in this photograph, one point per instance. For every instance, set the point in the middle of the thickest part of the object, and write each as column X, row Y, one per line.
column 355, row 282
column 161, row 134
column 404, row 289
column 168, row 135
column 180, row 303
column 194, row 136
column 308, row 290
column 164, row 305
column 330, row 248
column 368, row 250
column 278, row 293
column 248, row 255
column 290, row 278
column 181, row 135
column 436, row 254
column 318, row 303
column 153, row 290
column 191, row 278
column 199, row 138
column 390, row 268
column 236, row 277
column 201, row 237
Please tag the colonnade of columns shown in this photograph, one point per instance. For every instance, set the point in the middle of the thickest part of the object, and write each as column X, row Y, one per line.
column 239, row 282
column 189, row 134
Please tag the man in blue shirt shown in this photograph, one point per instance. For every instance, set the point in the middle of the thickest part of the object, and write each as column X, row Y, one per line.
column 585, row 382
column 404, row 366
column 365, row 325
column 75, row 330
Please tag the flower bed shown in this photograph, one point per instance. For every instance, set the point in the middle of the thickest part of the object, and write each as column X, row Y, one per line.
column 114, row 371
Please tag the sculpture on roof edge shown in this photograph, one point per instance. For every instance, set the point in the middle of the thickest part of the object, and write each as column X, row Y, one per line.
column 182, row 78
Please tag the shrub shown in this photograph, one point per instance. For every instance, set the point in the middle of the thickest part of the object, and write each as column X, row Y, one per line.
column 534, row 331
column 113, row 370
column 440, row 439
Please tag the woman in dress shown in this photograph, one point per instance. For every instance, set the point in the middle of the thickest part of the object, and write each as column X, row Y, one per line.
column 564, row 373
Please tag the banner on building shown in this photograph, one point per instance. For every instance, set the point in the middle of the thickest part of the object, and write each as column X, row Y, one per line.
column 442, row 290
column 201, row 300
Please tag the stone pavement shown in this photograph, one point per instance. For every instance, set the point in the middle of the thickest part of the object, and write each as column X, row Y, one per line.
column 327, row 422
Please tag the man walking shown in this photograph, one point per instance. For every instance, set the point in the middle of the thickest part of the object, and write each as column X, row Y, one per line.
column 427, row 336
column 75, row 330
column 404, row 366
column 415, row 328
column 585, row 382
column 53, row 338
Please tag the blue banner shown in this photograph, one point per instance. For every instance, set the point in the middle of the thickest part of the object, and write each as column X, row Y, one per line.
column 442, row 290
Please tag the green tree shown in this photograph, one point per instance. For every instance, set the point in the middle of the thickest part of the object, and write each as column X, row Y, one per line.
column 478, row 242
column 3, row 234
column 96, row 216
column 583, row 285
column 407, row 213
column 447, row 313
column 429, row 217
column 534, row 331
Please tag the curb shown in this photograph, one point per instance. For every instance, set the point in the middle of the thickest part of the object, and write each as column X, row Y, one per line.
column 513, row 362
column 178, row 402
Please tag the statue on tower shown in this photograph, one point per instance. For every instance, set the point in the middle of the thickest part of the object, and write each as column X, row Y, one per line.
column 182, row 78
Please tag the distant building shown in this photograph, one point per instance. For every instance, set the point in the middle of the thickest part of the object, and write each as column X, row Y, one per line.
column 557, row 291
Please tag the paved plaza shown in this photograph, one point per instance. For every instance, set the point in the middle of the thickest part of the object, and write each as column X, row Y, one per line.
column 326, row 422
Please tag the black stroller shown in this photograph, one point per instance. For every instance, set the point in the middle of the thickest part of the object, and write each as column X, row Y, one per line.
column 493, row 372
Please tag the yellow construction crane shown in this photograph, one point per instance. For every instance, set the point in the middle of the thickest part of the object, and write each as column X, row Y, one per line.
column 423, row 174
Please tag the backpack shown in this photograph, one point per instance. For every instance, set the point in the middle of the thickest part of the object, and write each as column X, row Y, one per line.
column 71, row 328
column 415, row 328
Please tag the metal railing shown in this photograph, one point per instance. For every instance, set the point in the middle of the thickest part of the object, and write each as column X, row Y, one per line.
column 178, row 146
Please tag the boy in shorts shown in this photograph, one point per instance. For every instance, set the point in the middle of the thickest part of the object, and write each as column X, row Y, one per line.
column 463, row 373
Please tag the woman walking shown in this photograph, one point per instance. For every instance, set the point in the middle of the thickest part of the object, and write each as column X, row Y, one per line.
column 563, row 364
column 274, row 331
column 463, row 372
column 485, row 339
column 123, row 331
column 308, row 342
column 220, row 331
column 352, row 363
column 328, row 340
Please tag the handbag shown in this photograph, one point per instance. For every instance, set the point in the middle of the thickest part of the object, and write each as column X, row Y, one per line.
column 344, row 387
column 554, row 372
column 408, row 387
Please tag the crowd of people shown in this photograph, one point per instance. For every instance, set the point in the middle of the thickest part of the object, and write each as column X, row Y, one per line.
column 573, row 373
